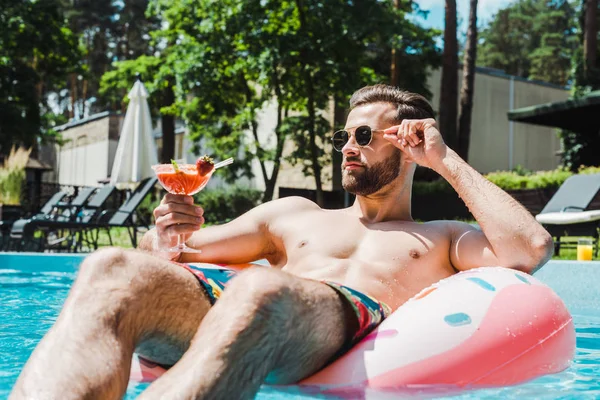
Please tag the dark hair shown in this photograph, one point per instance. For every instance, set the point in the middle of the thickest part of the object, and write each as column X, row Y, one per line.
column 409, row 105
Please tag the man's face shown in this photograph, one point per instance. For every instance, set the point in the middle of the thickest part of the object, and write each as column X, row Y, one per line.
column 368, row 169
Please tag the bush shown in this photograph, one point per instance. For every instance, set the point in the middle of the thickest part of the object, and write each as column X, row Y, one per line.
column 517, row 179
column 12, row 176
column 432, row 187
column 147, row 206
column 223, row 205
column 509, row 180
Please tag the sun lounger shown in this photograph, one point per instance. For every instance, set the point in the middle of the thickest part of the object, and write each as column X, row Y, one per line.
column 126, row 216
column 44, row 213
column 54, row 231
column 567, row 213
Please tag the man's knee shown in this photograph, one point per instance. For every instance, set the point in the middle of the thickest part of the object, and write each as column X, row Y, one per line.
column 262, row 287
column 110, row 264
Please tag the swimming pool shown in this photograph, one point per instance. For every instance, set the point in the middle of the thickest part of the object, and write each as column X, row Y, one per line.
column 34, row 287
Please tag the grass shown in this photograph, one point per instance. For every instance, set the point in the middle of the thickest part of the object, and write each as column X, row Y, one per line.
column 120, row 238
column 12, row 176
column 571, row 253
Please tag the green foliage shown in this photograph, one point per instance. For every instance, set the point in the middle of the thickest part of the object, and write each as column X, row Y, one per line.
column 231, row 57
column 531, row 38
column 511, row 180
column 517, row 179
column 579, row 148
column 222, row 205
column 37, row 52
column 431, row 187
column 107, row 31
column 147, row 206
column 116, row 83
column 300, row 125
column 12, row 176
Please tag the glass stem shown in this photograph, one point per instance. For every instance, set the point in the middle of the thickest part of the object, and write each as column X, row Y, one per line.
column 180, row 242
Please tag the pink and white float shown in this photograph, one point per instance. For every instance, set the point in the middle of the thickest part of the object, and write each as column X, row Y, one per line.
column 485, row 327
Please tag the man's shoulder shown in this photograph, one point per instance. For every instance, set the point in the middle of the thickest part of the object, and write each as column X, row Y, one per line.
column 285, row 206
column 298, row 202
column 452, row 227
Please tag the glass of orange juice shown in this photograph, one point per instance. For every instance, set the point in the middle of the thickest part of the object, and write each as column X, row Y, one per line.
column 585, row 248
column 186, row 179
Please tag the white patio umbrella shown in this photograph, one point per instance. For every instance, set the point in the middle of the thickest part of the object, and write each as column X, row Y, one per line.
column 136, row 151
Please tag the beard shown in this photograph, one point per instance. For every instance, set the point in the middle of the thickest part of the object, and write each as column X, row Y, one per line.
column 369, row 180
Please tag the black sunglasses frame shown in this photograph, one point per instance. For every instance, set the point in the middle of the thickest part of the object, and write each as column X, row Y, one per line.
column 361, row 137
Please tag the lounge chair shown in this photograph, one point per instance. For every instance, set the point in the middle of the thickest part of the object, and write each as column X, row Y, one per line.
column 126, row 216
column 567, row 213
column 55, row 229
column 67, row 211
column 44, row 213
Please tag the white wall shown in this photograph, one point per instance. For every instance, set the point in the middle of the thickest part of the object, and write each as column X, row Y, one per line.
column 533, row 147
column 85, row 165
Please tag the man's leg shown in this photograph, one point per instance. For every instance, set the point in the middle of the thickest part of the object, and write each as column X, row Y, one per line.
column 266, row 323
column 120, row 299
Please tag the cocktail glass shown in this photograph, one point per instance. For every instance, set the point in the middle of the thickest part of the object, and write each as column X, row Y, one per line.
column 186, row 180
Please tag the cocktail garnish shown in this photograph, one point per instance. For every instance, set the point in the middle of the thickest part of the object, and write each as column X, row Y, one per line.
column 204, row 165
column 175, row 165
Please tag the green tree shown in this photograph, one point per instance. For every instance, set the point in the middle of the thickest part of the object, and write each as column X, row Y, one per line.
column 158, row 80
column 580, row 148
column 94, row 23
column 532, row 39
column 551, row 60
column 108, row 31
column 232, row 57
column 37, row 52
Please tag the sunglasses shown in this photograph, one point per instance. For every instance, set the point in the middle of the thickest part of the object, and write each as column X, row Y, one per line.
column 362, row 134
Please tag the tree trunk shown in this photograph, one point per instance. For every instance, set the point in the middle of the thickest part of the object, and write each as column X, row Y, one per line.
column 279, row 137
column 449, row 88
column 468, row 85
column 73, row 77
column 339, row 113
column 590, row 44
column 314, row 150
column 84, row 96
column 168, row 127
column 394, row 70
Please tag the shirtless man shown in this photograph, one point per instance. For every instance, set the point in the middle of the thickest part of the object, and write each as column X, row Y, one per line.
column 284, row 323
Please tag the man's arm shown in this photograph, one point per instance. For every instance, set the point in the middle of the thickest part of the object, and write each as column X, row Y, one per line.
column 509, row 237
column 245, row 239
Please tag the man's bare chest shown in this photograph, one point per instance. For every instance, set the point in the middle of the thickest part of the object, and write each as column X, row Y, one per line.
column 338, row 236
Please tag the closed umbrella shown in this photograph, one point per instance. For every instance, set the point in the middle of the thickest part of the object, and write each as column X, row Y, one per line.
column 136, row 151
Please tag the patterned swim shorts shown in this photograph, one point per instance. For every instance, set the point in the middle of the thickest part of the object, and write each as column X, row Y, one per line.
column 369, row 312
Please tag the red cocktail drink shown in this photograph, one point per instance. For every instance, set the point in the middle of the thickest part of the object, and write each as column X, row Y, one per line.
column 186, row 179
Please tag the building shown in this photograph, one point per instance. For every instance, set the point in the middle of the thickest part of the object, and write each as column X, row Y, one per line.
column 496, row 142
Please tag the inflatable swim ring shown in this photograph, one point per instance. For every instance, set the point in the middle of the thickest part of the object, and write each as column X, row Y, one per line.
column 484, row 327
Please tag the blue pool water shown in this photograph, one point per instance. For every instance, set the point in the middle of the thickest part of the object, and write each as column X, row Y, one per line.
column 34, row 287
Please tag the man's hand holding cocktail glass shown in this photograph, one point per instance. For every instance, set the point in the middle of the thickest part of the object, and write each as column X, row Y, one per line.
column 176, row 215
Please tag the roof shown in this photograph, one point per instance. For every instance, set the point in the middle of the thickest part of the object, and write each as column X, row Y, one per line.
column 34, row 163
column 577, row 115
column 498, row 73
column 77, row 122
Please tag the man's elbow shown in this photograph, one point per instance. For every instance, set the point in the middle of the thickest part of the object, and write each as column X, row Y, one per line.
column 541, row 250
